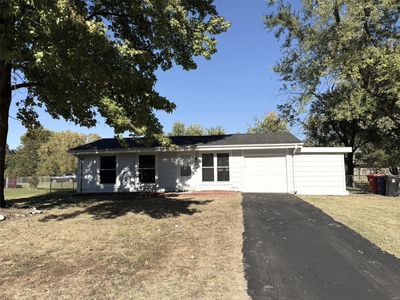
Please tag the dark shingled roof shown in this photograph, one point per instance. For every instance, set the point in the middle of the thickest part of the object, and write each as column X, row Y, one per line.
column 209, row 140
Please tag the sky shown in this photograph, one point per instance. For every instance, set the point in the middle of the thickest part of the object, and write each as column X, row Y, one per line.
column 230, row 90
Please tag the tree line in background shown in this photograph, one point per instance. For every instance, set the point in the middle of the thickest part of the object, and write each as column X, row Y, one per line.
column 270, row 122
column 44, row 153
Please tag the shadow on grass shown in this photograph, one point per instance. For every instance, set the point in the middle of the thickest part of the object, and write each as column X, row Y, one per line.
column 109, row 206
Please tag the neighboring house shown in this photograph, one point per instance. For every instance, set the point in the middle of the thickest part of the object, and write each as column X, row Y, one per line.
column 273, row 162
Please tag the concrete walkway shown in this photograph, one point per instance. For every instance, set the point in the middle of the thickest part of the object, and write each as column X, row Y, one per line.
column 293, row 250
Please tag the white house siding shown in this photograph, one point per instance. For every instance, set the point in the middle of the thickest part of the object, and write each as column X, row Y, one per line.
column 167, row 170
column 312, row 173
column 319, row 174
column 126, row 173
column 89, row 171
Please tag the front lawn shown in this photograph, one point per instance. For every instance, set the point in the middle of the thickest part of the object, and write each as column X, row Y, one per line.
column 377, row 218
column 24, row 193
column 123, row 246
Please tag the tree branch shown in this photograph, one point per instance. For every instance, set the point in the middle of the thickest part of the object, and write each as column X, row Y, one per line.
column 23, row 85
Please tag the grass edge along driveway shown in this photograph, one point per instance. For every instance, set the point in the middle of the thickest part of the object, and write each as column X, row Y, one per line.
column 376, row 218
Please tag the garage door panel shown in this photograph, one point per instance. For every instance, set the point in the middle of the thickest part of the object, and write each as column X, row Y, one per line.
column 265, row 174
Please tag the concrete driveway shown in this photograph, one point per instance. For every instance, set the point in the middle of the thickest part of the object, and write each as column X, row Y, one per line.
column 293, row 250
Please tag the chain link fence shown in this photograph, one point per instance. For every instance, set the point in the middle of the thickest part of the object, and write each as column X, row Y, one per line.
column 49, row 183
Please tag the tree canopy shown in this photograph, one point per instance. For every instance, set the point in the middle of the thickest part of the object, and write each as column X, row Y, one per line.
column 179, row 129
column 45, row 153
column 54, row 158
column 341, row 67
column 82, row 58
column 25, row 159
column 270, row 122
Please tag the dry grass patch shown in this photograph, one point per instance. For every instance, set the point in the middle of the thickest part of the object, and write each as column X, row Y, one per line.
column 176, row 247
column 377, row 218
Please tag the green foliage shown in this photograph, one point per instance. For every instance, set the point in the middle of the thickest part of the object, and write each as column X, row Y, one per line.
column 10, row 162
column 341, row 67
column 217, row 130
column 43, row 152
column 334, row 48
column 195, row 129
column 25, row 160
column 269, row 123
column 179, row 129
column 101, row 57
column 54, row 158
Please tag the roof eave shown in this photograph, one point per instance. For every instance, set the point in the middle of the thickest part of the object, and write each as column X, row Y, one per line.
column 189, row 148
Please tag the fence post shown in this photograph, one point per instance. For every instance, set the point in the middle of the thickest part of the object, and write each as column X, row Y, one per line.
column 50, row 184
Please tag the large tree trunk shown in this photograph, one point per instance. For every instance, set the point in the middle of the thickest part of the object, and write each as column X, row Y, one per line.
column 5, row 101
column 349, row 159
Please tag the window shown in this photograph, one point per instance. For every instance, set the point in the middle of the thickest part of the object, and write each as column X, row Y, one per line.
column 208, row 167
column 221, row 170
column 147, row 169
column 108, row 169
column 223, row 167
column 185, row 169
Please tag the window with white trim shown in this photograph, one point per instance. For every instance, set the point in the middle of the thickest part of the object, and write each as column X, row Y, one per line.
column 147, row 168
column 215, row 168
column 108, row 169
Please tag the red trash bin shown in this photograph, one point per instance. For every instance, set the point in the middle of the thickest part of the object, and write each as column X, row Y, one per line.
column 373, row 182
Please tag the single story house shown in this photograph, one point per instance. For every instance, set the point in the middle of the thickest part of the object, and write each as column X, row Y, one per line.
column 271, row 162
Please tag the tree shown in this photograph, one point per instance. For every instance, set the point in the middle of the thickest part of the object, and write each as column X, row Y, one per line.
column 217, row 130
column 342, row 59
column 25, row 160
column 179, row 129
column 82, row 58
column 54, row 158
column 10, row 161
column 269, row 123
column 195, row 129
column 324, row 127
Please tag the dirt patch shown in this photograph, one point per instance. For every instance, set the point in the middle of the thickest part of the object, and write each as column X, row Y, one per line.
column 124, row 246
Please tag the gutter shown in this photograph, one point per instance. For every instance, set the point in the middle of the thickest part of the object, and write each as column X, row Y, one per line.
column 187, row 148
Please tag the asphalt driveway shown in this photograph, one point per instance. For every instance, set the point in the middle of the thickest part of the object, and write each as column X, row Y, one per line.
column 293, row 250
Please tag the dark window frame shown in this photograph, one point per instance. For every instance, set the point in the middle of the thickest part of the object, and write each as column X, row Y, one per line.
column 204, row 168
column 223, row 168
column 216, row 168
column 151, row 170
column 185, row 168
column 104, row 170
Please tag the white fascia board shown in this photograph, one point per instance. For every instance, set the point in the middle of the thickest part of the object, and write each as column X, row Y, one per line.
column 130, row 150
column 248, row 147
column 326, row 150
column 190, row 148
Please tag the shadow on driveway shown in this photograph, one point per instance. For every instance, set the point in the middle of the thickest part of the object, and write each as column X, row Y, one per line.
column 293, row 250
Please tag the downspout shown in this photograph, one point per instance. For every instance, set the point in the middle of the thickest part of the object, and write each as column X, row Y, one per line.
column 80, row 175
column 293, row 170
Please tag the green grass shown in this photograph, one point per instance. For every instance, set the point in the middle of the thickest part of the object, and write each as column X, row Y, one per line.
column 375, row 217
column 25, row 192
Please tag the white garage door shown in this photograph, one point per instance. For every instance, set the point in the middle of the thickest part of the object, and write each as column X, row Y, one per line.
column 265, row 174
